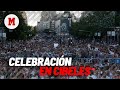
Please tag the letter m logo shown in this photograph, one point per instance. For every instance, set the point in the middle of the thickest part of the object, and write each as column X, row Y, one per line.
column 11, row 21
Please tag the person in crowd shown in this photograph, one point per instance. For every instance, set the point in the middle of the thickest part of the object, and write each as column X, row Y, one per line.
column 97, row 54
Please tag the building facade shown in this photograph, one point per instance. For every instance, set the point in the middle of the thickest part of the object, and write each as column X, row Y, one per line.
column 59, row 23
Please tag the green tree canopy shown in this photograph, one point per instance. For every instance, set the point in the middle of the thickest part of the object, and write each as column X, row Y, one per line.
column 93, row 21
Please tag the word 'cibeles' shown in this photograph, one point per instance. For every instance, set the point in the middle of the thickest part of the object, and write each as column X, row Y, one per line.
column 63, row 71
column 40, row 61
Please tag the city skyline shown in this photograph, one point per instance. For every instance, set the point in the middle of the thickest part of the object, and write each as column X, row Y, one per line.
column 34, row 16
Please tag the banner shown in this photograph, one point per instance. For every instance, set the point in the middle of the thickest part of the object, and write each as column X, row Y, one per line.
column 113, row 33
column 99, row 34
column 56, row 45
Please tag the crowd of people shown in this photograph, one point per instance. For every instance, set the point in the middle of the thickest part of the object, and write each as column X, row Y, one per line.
column 103, row 57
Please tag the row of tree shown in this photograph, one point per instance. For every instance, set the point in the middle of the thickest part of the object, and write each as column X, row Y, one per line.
column 22, row 32
column 95, row 21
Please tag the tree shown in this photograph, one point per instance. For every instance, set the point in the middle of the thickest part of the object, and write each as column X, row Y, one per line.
column 1, row 18
column 117, row 18
column 96, row 21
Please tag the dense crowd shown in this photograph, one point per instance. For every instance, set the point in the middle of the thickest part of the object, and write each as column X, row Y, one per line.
column 100, row 55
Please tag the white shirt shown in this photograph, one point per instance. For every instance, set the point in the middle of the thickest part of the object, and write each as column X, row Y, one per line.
column 111, row 74
column 101, row 65
column 107, row 77
column 2, row 77
column 34, row 77
column 33, row 72
column 52, row 77
column 88, row 76
column 96, row 49
column 74, row 77
column 112, row 53
column 42, row 77
column 94, row 76
column 89, row 46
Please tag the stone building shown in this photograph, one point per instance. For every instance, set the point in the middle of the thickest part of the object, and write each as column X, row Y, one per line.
column 57, row 23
